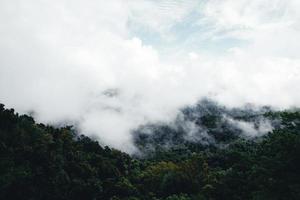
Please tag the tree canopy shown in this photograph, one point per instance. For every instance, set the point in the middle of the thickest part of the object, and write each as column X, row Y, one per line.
column 39, row 161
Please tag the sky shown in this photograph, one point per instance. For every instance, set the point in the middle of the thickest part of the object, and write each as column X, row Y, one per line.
column 108, row 67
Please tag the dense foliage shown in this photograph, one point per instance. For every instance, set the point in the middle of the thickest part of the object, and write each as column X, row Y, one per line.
column 43, row 162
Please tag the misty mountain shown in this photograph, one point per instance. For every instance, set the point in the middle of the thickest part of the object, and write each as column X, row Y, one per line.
column 205, row 125
column 39, row 161
column 150, row 100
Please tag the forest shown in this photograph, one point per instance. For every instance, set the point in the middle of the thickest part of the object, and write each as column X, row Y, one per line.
column 204, row 154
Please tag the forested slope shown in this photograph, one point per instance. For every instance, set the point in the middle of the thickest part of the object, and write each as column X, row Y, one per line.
column 43, row 162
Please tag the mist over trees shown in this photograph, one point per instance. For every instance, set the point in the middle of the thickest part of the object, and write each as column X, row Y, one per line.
column 206, row 153
column 205, row 125
column 147, row 100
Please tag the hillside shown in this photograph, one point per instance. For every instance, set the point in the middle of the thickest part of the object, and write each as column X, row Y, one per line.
column 208, row 152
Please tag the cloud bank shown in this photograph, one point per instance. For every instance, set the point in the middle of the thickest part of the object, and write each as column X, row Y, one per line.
column 110, row 66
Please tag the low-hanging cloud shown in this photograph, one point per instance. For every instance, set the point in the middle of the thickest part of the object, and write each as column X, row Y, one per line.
column 251, row 129
column 86, row 63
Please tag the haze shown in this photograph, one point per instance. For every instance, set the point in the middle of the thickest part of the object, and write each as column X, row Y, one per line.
column 109, row 66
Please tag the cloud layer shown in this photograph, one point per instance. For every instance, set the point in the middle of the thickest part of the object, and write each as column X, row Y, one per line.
column 109, row 66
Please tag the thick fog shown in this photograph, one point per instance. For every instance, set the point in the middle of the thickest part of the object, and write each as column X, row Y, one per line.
column 109, row 66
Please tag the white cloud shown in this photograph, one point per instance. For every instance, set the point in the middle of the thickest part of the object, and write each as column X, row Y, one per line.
column 159, row 16
column 251, row 129
column 59, row 59
column 245, row 15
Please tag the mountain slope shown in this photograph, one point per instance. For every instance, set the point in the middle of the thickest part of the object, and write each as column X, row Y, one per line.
column 44, row 162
